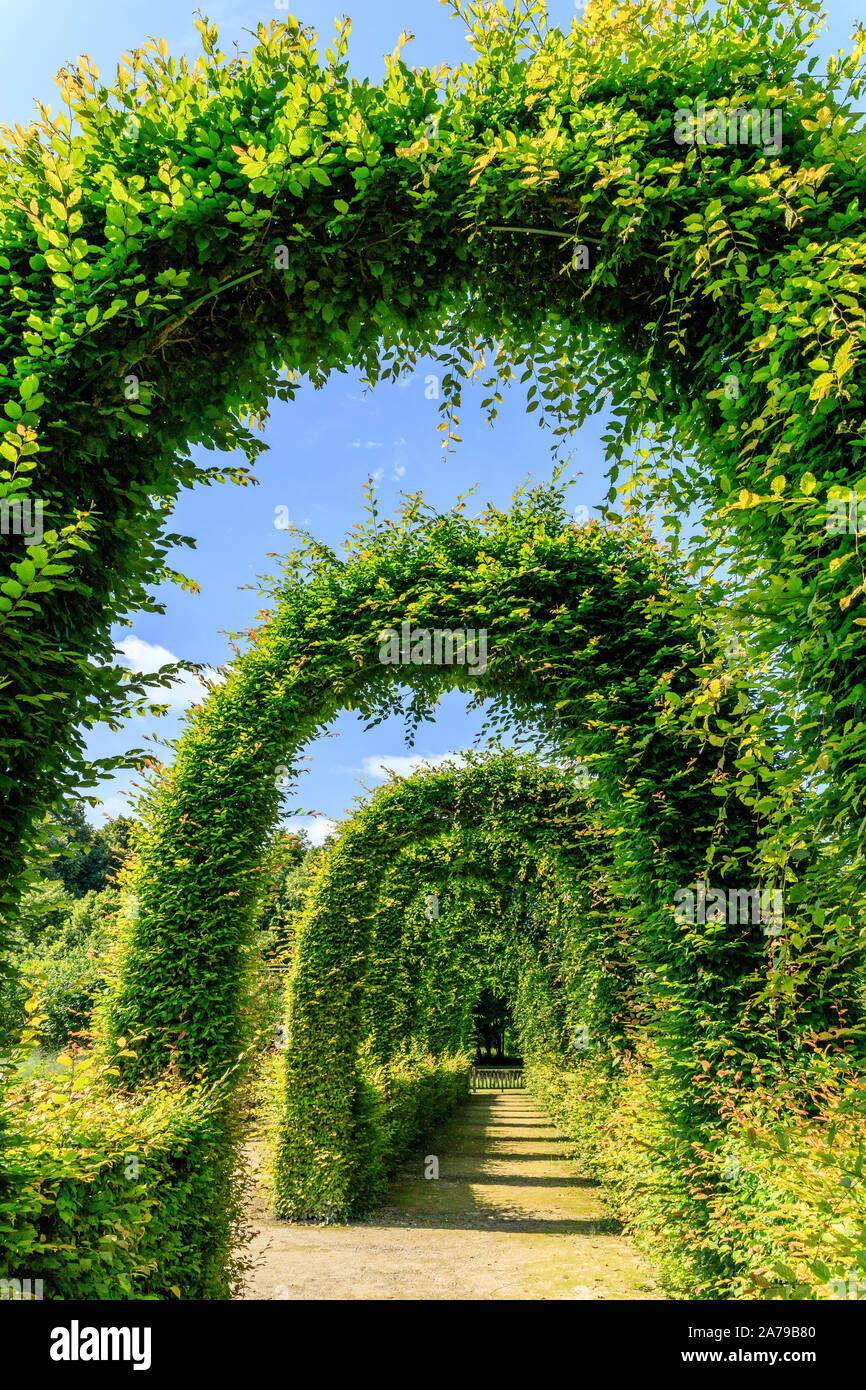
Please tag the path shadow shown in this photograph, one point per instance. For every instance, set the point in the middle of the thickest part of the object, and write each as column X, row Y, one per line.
column 523, row 1124
column 522, row 1158
column 507, row 1180
column 485, row 1220
column 452, row 1201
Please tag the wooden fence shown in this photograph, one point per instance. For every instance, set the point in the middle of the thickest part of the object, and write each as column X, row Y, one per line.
column 496, row 1079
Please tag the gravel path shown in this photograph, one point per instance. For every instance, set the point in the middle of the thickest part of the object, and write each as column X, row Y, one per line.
column 510, row 1216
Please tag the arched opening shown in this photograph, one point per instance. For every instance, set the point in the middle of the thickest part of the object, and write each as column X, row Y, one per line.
column 208, row 250
column 454, row 885
column 582, row 624
column 176, row 240
column 495, row 1034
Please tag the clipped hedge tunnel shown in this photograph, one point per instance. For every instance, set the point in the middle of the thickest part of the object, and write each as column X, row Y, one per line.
column 198, row 229
column 582, row 633
column 594, row 639
column 382, row 976
column 564, row 609
column 190, row 243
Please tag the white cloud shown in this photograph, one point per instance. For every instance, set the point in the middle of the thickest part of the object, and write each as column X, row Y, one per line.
column 321, row 828
column 142, row 657
column 318, row 828
column 403, row 765
column 399, row 472
column 366, row 444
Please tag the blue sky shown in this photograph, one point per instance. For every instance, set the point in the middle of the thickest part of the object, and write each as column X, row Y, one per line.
column 322, row 446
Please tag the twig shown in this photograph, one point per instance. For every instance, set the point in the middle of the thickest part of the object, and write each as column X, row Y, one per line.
column 543, row 231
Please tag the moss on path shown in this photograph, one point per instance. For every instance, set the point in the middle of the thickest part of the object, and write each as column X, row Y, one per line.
column 510, row 1216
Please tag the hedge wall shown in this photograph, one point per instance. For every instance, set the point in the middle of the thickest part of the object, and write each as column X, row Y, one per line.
column 106, row 1196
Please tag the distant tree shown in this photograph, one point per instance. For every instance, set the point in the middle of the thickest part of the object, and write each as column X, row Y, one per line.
column 493, row 1024
column 84, row 860
column 43, row 912
column 61, row 942
column 292, row 862
column 118, row 834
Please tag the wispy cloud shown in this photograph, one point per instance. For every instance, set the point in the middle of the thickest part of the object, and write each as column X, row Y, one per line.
column 366, row 444
column 143, row 657
column 318, row 828
column 404, row 765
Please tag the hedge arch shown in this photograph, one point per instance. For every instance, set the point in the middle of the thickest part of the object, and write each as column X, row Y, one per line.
column 592, row 633
column 193, row 231
column 514, row 858
column 587, row 630
column 564, row 842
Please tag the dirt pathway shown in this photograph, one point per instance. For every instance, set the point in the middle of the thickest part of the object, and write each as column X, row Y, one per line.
column 508, row 1217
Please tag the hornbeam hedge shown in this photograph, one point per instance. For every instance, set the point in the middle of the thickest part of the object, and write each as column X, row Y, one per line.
column 184, row 244
column 589, row 630
column 593, row 637
column 177, row 245
column 596, row 643
column 499, row 874
column 423, row 900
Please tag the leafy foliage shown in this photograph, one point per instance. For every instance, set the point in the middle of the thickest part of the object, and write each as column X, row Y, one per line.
column 183, row 245
column 587, row 632
column 147, row 218
column 67, row 968
column 108, row 1196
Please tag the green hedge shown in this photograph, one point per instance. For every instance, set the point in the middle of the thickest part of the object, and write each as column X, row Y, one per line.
column 651, row 1175
column 104, row 1196
column 709, row 308
column 375, row 980
column 790, row 1192
column 775, row 1210
column 408, row 1098
column 395, row 1106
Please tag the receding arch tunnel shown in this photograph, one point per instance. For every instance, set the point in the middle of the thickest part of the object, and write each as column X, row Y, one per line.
column 583, row 624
